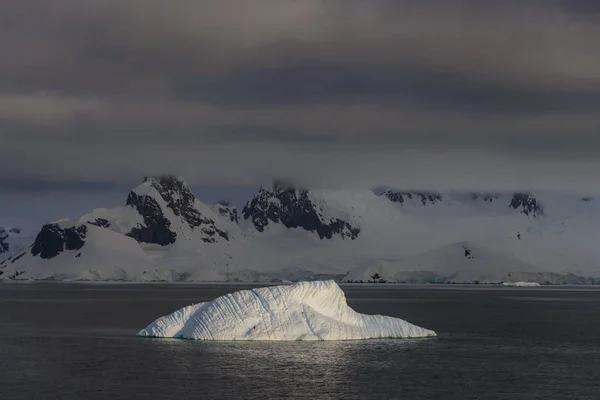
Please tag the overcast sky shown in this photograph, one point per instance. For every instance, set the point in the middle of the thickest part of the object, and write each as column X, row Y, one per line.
column 462, row 94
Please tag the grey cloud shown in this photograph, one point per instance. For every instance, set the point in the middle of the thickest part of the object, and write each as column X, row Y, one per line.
column 33, row 185
column 393, row 87
column 326, row 92
column 130, row 44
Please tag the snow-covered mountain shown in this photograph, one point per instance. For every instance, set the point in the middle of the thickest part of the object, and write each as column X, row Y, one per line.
column 283, row 233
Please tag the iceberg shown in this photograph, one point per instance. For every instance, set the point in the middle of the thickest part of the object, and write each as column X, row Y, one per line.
column 302, row 311
column 521, row 284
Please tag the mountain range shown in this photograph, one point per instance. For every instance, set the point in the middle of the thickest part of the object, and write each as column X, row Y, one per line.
column 164, row 233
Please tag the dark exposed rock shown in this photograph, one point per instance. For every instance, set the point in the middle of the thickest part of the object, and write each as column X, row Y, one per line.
column 486, row 197
column 157, row 226
column 211, row 231
column 294, row 209
column 100, row 222
column 527, row 204
column 376, row 278
column 3, row 242
column 468, row 253
column 227, row 211
column 53, row 240
column 425, row 197
column 16, row 274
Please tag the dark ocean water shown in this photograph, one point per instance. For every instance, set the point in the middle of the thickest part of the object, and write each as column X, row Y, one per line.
column 77, row 341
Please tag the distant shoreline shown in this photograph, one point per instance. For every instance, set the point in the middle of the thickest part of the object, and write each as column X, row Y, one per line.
column 341, row 284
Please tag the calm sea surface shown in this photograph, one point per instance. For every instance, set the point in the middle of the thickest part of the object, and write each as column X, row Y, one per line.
column 77, row 341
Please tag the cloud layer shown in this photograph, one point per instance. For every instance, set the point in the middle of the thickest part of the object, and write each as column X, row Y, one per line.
column 420, row 94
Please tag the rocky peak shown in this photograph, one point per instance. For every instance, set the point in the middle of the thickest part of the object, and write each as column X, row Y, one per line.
column 527, row 204
column 54, row 238
column 424, row 197
column 294, row 209
column 179, row 198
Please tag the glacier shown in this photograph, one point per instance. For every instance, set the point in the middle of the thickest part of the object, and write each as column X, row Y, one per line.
column 314, row 310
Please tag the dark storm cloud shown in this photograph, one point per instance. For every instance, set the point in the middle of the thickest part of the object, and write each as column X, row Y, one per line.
column 32, row 185
column 323, row 91
column 390, row 87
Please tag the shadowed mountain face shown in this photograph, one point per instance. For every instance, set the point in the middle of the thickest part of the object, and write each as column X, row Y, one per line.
column 294, row 209
column 54, row 239
column 156, row 228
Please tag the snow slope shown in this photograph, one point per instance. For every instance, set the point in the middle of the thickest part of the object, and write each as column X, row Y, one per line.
column 459, row 263
column 303, row 311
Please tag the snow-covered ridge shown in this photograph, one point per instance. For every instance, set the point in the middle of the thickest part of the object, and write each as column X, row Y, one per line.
column 284, row 233
column 303, row 311
column 524, row 203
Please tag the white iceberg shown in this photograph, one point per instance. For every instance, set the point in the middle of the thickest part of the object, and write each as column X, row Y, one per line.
column 521, row 284
column 302, row 311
